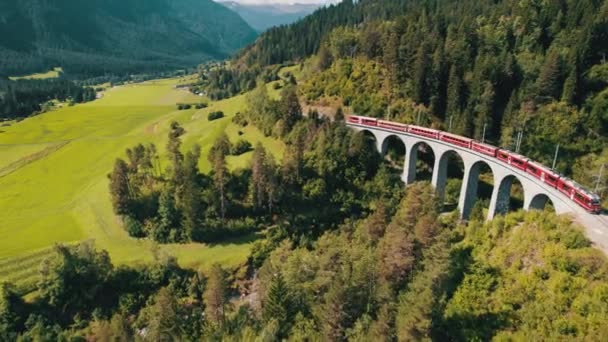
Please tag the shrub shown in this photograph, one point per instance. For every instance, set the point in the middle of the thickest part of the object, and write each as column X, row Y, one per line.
column 241, row 146
column 277, row 86
column 215, row 115
column 240, row 119
column 183, row 106
column 134, row 227
column 201, row 105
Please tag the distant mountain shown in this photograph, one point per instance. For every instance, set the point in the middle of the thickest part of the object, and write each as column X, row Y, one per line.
column 98, row 36
column 264, row 16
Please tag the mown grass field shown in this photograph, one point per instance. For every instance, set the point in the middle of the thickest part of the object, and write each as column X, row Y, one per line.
column 39, row 76
column 53, row 174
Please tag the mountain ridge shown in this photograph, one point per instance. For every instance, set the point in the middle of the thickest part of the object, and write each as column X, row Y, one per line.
column 263, row 16
column 110, row 35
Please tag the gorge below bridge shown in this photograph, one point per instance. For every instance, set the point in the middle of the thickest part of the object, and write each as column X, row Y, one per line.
column 536, row 194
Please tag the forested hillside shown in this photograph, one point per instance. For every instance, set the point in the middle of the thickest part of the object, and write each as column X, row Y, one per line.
column 534, row 67
column 346, row 253
column 109, row 36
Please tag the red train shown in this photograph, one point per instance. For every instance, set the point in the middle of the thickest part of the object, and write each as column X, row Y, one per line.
column 577, row 193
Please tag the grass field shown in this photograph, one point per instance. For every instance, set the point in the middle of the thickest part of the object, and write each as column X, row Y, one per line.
column 40, row 76
column 53, row 167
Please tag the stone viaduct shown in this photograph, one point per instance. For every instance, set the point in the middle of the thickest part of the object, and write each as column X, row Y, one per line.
column 536, row 193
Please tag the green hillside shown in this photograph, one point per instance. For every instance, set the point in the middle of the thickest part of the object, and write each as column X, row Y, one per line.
column 95, row 37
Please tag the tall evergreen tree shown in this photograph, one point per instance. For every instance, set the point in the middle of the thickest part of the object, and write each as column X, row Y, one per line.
column 290, row 108
column 455, row 99
column 215, row 295
column 550, row 79
column 422, row 69
column 278, row 305
column 120, row 188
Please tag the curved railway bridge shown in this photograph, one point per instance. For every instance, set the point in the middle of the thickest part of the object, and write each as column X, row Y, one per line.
column 536, row 191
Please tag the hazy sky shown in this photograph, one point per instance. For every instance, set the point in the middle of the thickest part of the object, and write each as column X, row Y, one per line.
column 283, row 1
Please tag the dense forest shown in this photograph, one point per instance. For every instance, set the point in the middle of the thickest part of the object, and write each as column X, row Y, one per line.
column 347, row 253
column 535, row 68
column 22, row 98
column 382, row 264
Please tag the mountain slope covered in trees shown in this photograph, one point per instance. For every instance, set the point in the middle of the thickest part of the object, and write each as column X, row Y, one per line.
column 535, row 67
column 108, row 36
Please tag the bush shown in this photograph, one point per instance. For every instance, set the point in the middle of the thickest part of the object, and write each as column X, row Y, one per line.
column 201, row 105
column 215, row 115
column 183, row 106
column 241, row 146
column 240, row 119
column 277, row 86
column 134, row 227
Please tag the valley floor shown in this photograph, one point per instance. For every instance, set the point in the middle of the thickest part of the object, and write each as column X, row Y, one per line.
column 53, row 167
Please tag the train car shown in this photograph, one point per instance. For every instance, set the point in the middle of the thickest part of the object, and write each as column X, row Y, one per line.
column 482, row 148
column 513, row 159
column 354, row 119
column 395, row 126
column 455, row 139
column 423, row 131
column 369, row 121
column 543, row 173
column 578, row 194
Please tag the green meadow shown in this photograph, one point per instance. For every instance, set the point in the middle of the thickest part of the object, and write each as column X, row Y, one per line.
column 39, row 76
column 53, row 174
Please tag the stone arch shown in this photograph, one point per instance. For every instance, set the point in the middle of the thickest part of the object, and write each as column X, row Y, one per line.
column 410, row 172
column 442, row 172
column 540, row 202
column 369, row 134
column 501, row 197
column 391, row 139
column 470, row 186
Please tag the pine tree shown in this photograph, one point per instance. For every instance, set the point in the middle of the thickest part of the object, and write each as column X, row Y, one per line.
column 550, row 78
column 278, row 305
column 174, row 144
column 438, row 83
column 221, row 148
column 484, row 112
column 332, row 312
column 120, row 188
column 168, row 213
column 215, row 295
column 421, row 73
column 571, row 84
column 220, row 179
column 455, row 97
column 290, row 108
column 190, row 196
column 164, row 320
